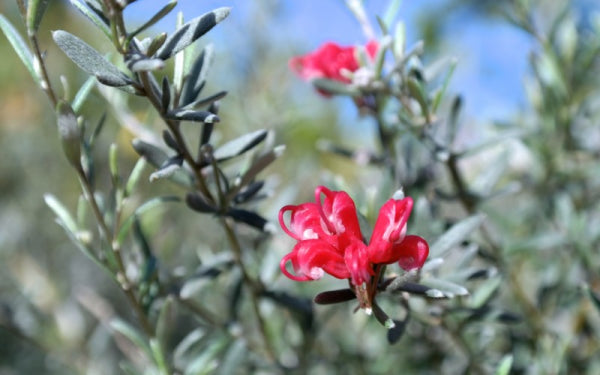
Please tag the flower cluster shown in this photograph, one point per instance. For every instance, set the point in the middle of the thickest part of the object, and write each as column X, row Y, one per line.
column 330, row 61
column 330, row 240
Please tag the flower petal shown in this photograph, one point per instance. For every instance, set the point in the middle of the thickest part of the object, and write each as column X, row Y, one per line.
column 389, row 230
column 312, row 258
column 339, row 213
column 357, row 261
column 413, row 252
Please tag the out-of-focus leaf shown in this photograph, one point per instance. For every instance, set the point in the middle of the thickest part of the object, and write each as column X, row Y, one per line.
column 391, row 12
column 332, row 87
column 232, row 361
column 197, row 203
column 35, row 12
column 449, row 289
column 61, row 212
column 484, row 145
column 484, row 292
column 183, row 348
column 192, row 115
column 505, row 365
column 92, row 16
column 156, row 43
column 257, row 166
column 188, row 33
column 154, row 19
column 154, row 202
column 134, row 177
column 240, row 145
column 439, row 95
column 248, row 192
column 125, row 329
column 19, row 46
column 418, row 93
column 399, row 40
column 204, row 363
column 90, row 60
column 83, row 93
column 159, row 356
column 455, row 235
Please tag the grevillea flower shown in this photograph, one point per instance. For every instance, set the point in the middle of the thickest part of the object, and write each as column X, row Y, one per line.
column 329, row 239
column 329, row 61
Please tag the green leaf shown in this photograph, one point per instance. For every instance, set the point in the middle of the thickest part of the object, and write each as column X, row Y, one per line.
column 232, row 360
column 134, row 177
column 96, row 20
column 505, row 365
column 418, row 93
column 449, row 289
column 240, row 145
column 391, row 12
column 442, row 91
column 61, row 212
column 484, row 292
column 152, row 203
column 19, row 46
column 125, row 329
column 69, row 132
column 204, row 363
column 257, row 166
column 157, row 17
column 159, row 356
column 455, row 235
column 332, row 87
column 83, row 93
column 196, row 77
column 35, row 12
column 188, row 33
column 153, row 154
column 90, row 60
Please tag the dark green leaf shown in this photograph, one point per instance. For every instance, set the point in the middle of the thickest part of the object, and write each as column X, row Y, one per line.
column 240, row 145
column 395, row 333
column 19, row 46
column 156, row 43
column 196, row 77
column 248, row 217
column 165, row 94
column 188, row 33
column 197, row 203
column 334, row 296
column 153, row 154
column 90, row 60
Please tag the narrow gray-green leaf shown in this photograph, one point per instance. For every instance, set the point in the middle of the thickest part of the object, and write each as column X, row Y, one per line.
column 192, row 115
column 35, row 12
column 90, row 60
column 83, row 93
column 96, row 20
column 188, row 33
column 61, row 212
column 159, row 356
column 240, row 145
column 69, row 133
column 505, row 365
column 455, row 235
column 152, row 203
column 19, row 46
column 331, row 87
column 155, row 155
column 157, row 17
column 449, row 289
column 122, row 327
column 257, row 166
column 484, row 292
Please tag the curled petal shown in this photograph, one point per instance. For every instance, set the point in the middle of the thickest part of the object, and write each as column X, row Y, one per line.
column 389, row 230
column 339, row 213
column 312, row 258
column 305, row 221
column 413, row 252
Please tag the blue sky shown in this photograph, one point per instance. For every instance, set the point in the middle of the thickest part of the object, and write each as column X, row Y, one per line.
column 492, row 55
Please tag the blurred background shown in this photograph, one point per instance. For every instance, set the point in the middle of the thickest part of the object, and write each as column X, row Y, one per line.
column 47, row 286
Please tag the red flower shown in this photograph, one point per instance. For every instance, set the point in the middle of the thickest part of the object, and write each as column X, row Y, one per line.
column 329, row 61
column 330, row 241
